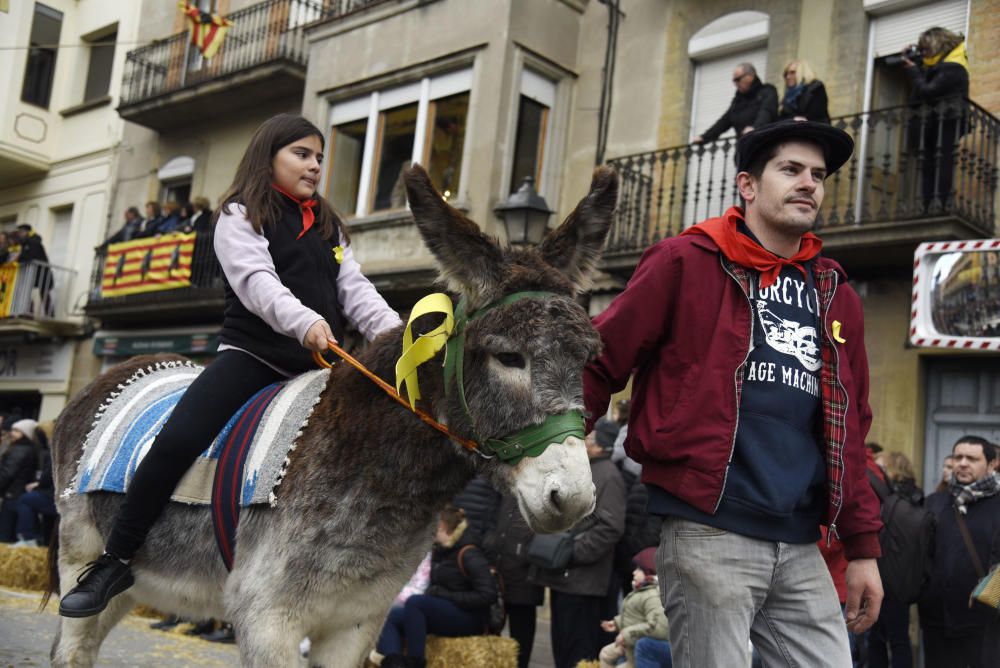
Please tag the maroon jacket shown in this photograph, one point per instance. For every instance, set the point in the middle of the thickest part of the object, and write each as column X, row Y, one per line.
column 683, row 325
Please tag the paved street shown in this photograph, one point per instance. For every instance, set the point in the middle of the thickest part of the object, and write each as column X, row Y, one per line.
column 26, row 635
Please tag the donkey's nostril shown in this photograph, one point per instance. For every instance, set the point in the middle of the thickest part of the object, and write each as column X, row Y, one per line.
column 555, row 500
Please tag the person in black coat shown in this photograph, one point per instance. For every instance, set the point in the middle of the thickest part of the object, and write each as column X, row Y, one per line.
column 805, row 95
column 755, row 104
column 37, row 501
column 506, row 545
column 940, row 86
column 456, row 603
column 18, row 465
column 480, row 502
column 957, row 634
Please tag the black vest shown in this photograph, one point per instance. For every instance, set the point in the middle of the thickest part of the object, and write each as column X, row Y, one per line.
column 308, row 268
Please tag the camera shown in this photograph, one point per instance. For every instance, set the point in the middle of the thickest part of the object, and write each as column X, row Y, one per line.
column 913, row 53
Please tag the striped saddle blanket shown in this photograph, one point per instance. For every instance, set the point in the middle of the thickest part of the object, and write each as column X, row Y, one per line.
column 242, row 467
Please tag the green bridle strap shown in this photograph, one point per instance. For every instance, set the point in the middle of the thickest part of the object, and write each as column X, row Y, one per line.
column 533, row 439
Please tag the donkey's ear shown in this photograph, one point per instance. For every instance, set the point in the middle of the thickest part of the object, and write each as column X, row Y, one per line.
column 575, row 246
column 469, row 260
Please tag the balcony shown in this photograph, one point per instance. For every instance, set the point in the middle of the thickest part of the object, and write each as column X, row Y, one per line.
column 887, row 199
column 199, row 299
column 168, row 85
column 35, row 301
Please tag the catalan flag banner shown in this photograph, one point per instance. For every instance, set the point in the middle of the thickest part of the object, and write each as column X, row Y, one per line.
column 148, row 265
column 207, row 30
column 8, row 277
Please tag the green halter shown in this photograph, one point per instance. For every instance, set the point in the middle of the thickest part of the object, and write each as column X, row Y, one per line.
column 533, row 439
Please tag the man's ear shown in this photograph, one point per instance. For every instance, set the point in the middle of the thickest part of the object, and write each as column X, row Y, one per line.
column 746, row 186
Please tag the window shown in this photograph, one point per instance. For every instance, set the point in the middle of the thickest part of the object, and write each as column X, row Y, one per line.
column 534, row 108
column 375, row 137
column 347, row 153
column 102, row 56
column 41, row 65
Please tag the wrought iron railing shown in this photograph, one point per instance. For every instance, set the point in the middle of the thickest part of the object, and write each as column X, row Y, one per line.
column 38, row 291
column 205, row 283
column 910, row 163
column 264, row 32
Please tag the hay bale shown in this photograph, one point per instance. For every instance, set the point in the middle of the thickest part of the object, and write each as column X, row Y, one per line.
column 472, row 652
column 24, row 567
column 589, row 664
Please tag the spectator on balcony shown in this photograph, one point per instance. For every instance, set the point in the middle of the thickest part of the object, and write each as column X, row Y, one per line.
column 746, row 443
column 805, row 95
column 31, row 254
column 153, row 219
column 287, row 295
column 940, row 85
column 132, row 228
column 201, row 218
column 5, row 244
column 171, row 220
column 755, row 104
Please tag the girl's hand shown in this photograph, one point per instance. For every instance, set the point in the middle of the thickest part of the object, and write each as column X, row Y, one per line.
column 318, row 337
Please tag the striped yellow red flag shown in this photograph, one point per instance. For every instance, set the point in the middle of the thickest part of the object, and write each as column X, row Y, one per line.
column 148, row 265
column 207, row 30
column 8, row 277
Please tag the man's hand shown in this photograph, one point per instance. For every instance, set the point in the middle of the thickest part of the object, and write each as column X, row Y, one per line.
column 318, row 336
column 864, row 595
column 609, row 625
column 31, row 486
column 697, row 139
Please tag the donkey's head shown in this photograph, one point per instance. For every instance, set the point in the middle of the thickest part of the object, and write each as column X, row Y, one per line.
column 525, row 343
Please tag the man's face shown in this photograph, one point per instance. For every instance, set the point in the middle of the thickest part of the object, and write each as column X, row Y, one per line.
column 970, row 463
column 129, row 216
column 742, row 79
column 20, row 234
column 947, row 468
column 790, row 191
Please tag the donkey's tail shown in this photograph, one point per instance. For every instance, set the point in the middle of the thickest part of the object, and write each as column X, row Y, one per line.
column 52, row 587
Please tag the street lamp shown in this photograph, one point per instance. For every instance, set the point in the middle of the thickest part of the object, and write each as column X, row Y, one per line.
column 525, row 215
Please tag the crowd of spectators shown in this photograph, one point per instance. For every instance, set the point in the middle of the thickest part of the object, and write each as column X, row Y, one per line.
column 163, row 218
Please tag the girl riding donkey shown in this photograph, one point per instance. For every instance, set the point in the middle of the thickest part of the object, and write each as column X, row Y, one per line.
column 291, row 283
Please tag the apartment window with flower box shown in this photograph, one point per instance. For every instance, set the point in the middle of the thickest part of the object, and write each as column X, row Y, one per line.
column 374, row 138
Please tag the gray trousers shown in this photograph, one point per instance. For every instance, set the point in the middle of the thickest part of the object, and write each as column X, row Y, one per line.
column 721, row 590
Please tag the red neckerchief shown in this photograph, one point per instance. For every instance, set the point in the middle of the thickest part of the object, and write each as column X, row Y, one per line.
column 746, row 252
column 305, row 206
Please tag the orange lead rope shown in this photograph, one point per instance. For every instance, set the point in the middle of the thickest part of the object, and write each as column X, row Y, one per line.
column 391, row 391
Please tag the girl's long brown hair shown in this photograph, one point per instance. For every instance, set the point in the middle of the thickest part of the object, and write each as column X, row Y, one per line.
column 252, row 184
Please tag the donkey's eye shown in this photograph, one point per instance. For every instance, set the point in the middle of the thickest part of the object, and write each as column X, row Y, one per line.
column 511, row 359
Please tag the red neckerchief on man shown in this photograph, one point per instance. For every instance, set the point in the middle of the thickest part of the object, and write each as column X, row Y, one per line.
column 746, row 252
column 305, row 206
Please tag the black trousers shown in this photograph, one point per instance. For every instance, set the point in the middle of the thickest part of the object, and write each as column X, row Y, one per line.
column 521, row 623
column 204, row 409
column 975, row 651
column 576, row 628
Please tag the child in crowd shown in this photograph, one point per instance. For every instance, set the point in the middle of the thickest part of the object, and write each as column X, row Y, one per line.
column 641, row 616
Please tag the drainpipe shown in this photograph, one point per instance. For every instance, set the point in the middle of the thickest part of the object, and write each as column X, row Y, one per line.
column 607, row 78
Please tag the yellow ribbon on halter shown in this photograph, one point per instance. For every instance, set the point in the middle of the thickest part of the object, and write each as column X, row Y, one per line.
column 426, row 346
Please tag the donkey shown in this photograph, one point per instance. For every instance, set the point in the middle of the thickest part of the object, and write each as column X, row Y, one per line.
column 361, row 493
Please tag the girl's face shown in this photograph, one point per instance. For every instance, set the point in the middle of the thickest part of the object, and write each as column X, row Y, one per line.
column 295, row 167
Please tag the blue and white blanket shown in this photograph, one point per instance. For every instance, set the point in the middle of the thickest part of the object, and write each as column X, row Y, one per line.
column 261, row 438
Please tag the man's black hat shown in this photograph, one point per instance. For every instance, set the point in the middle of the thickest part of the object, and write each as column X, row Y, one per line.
column 837, row 144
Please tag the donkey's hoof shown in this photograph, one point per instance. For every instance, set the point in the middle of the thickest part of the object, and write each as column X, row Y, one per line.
column 104, row 578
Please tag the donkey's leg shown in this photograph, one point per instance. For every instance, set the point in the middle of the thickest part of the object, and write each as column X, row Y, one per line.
column 345, row 647
column 78, row 641
column 267, row 637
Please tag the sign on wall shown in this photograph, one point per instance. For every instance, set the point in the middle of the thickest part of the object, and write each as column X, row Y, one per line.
column 35, row 362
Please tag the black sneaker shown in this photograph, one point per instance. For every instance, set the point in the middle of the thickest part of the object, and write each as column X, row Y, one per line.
column 100, row 580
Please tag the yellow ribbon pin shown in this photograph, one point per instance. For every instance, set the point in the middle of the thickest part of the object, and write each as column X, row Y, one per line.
column 836, row 332
column 426, row 346
column 338, row 254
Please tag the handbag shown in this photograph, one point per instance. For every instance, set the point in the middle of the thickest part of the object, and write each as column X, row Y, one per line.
column 987, row 590
column 551, row 551
column 497, row 618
